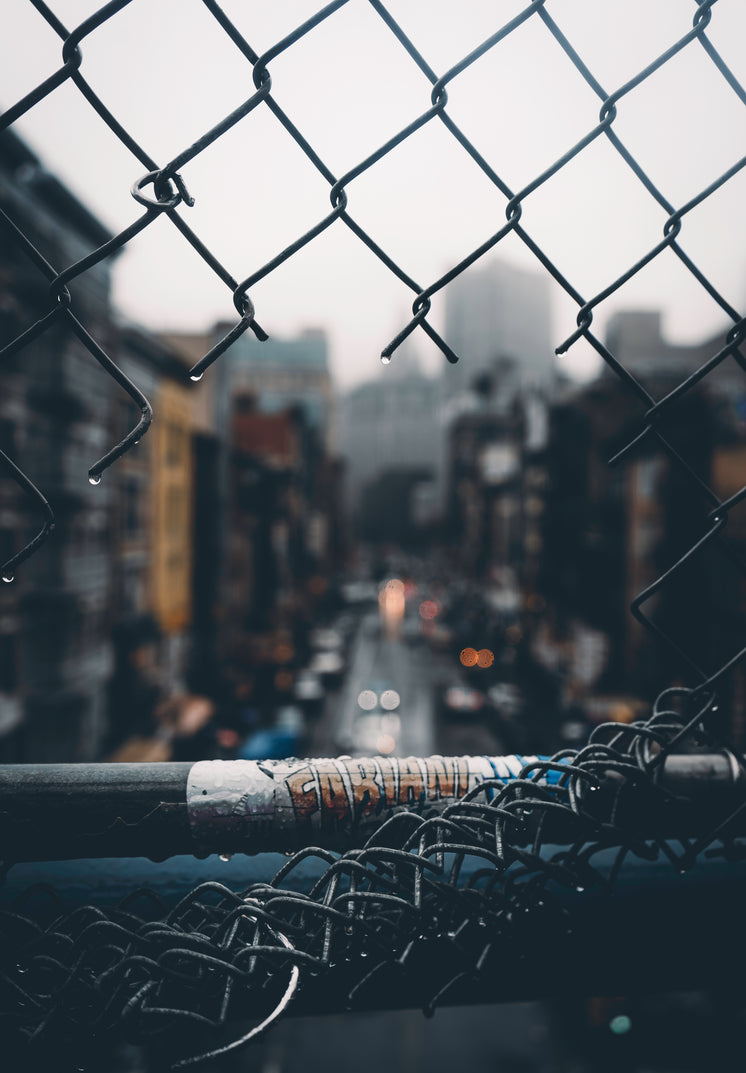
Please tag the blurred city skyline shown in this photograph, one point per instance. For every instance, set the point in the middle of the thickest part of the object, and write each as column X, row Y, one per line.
column 169, row 74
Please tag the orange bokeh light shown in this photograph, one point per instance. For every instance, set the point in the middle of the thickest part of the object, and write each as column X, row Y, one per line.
column 428, row 609
column 283, row 681
column 468, row 657
column 485, row 657
column 283, row 652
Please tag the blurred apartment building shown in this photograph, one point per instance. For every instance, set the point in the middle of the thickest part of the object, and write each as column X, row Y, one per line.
column 279, row 373
column 269, row 532
column 611, row 531
column 152, row 540
column 499, row 323
column 530, row 490
column 497, row 485
column 390, row 437
column 398, row 431
column 111, row 633
column 55, row 420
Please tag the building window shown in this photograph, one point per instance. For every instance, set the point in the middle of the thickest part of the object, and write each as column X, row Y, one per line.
column 133, row 502
column 175, row 521
column 175, row 445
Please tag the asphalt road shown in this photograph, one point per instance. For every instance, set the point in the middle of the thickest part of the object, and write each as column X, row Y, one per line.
column 509, row 1038
column 416, row 672
column 376, row 658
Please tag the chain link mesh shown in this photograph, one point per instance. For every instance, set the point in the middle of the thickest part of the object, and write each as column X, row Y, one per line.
column 181, row 978
column 398, row 920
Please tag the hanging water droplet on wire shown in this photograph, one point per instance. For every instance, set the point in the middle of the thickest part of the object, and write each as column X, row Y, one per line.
column 7, row 578
column 196, row 376
column 95, row 479
column 226, row 857
column 385, row 359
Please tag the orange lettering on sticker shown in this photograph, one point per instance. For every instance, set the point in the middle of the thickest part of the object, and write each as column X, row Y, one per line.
column 441, row 777
column 366, row 793
column 334, row 801
column 411, row 789
column 302, row 788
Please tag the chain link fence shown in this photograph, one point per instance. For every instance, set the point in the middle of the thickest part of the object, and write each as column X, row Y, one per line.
column 181, row 978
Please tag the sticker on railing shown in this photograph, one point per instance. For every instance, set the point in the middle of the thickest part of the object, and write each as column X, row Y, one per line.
column 279, row 803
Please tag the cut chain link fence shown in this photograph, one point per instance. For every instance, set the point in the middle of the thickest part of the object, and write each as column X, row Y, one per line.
column 182, row 978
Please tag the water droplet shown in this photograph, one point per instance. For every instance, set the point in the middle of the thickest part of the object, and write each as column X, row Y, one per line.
column 196, row 376
column 385, row 359
column 593, row 787
column 289, row 852
column 363, row 953
column 226, row 857
column 96, row 479
column 7, row 578
column 580, row 889
column 620, row 1024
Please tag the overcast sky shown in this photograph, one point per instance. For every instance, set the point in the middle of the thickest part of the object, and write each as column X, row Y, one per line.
column 168, row 72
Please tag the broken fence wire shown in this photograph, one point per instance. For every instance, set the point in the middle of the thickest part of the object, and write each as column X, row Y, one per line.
column 402, row 919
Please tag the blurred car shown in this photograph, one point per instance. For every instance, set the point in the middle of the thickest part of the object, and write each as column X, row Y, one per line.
column 329, row 665
column 374, row 733
column 379, row 695
column 326, row 639
column 506, row 698
column 460, row 701
column 307, row 687
column 375, row 726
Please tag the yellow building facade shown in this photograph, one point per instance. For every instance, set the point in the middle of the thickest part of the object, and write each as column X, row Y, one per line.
column 172, row 507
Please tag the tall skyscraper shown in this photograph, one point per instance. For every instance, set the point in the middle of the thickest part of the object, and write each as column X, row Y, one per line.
column 498, row 321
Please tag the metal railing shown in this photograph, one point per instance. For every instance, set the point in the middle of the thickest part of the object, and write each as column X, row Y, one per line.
column 449, row 899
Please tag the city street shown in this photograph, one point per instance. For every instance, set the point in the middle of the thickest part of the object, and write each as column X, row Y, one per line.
column 512, row 1038
column 375, row 658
